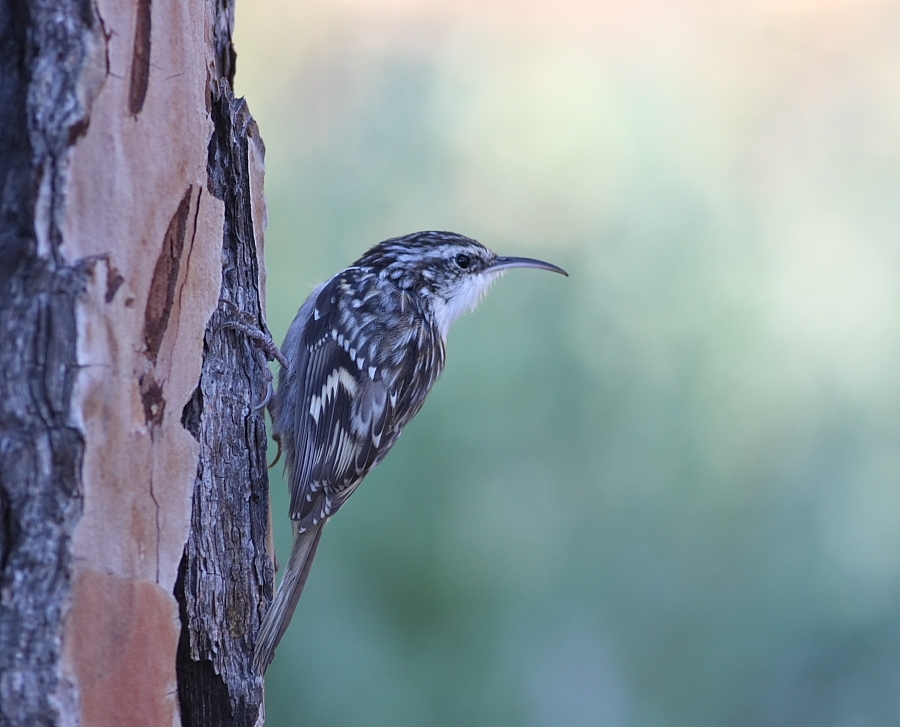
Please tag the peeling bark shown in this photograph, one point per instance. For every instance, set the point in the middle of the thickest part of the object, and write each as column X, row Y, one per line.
column 226, row 573
column 134, row 562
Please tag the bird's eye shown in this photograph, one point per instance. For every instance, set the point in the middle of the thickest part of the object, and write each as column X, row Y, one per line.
column 463, row 260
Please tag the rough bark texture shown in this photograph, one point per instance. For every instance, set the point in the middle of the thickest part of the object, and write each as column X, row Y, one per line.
column 226, row 570
column 133, row 489
column 44, row 48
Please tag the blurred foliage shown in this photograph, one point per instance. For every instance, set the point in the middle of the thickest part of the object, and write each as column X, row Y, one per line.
column 664, row 491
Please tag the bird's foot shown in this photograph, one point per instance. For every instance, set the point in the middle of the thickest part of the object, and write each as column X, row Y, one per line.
column 239, row 320
column 246, row 324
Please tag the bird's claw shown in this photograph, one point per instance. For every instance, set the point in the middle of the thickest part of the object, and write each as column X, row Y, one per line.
column 246, row 324
column 278, row 455
column 270, row 390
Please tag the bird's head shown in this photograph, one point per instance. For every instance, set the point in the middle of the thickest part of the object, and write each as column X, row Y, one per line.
column 450, row 271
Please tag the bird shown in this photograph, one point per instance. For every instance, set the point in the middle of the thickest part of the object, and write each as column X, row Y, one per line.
column 357, row 363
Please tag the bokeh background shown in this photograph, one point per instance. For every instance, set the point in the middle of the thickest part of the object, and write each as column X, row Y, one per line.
column 666, row 490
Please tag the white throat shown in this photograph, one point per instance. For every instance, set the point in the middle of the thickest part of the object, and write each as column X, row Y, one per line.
column 471, row 290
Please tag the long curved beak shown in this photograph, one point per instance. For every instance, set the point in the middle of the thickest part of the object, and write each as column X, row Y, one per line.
column 505, row 263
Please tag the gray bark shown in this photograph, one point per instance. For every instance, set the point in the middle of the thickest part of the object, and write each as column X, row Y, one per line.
column 226, row 574
column 42, row 52
column 134, row 554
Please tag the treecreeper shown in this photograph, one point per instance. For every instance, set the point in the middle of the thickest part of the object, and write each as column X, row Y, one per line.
column 356, row 365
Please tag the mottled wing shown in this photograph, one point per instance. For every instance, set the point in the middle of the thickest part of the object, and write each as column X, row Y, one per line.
column 343, row 420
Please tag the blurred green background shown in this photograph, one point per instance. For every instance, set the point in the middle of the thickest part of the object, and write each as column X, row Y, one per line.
column 664, row 491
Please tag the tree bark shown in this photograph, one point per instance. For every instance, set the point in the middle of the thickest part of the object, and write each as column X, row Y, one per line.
column 134, row 554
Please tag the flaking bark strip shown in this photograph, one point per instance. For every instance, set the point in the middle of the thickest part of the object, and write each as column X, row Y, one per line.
column 165, row 278
column 221, row 614
column 140, row 58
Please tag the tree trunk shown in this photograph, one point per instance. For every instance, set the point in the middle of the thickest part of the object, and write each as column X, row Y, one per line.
column 134, row 555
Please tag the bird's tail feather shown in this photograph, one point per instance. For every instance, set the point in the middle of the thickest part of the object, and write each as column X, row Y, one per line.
column 278, row 616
